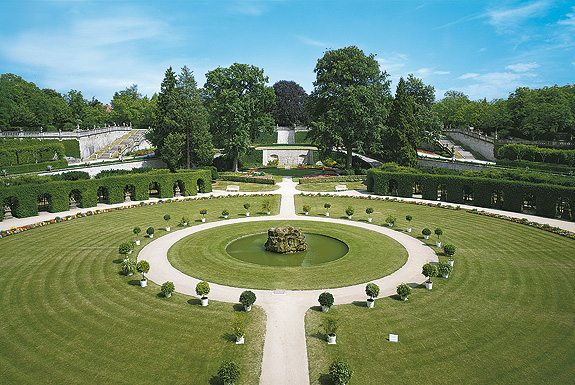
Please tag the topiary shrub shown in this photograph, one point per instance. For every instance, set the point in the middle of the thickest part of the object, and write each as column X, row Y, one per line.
column 429, row 270
column 372, row 290
column 426, row 232
column 438, row 232
column 403, row 290
column 449, row 250
column 349, row 211
column 229, row 372
column 247, row 298
column 306, row 208
column 444, row 269
column 340, row 372
column 330, row 326
column 167, row 289
column 128, row 267
column 326, row 299
column 150, row 231
column 143, row 267
column 125, row 248
column 390, row 220
column 202, row 288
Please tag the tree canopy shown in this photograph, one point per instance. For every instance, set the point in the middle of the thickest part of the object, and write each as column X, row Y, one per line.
column 348, row 103
column 290, row 106
column 239, row 104
column 181, row 131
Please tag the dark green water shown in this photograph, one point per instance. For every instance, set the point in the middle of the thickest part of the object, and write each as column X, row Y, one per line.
column 320, row 249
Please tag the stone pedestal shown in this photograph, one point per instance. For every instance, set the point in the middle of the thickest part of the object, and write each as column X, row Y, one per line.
column 287, row 239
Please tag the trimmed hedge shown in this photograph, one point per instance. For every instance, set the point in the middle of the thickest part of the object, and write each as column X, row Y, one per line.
column 531, row 153
column 549, row 167
column 328, row 179
column 35, row 167
column 498, row 193
column 23, row 199
column 14, row 152
column 248, row 179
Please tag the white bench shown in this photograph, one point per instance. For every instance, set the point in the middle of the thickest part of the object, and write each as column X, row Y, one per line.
column 233, row 188
column 340, row 187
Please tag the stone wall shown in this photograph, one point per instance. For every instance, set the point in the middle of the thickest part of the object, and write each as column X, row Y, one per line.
column 93, row 170
column 481, row 144
column 457, row 166
column 287, row 156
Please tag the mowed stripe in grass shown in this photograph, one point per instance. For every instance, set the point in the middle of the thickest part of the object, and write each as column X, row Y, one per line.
column 68, row 316
column 506, row 314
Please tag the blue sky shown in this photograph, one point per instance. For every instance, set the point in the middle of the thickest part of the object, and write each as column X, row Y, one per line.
column 482, row 48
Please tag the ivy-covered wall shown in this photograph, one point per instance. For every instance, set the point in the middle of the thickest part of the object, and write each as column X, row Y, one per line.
column 497, row 193
column 23, row 199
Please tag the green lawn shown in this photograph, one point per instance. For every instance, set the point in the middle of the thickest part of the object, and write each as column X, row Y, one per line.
column 69, row 317
column 371, row 256
column 244, row 187
column 505, row 315
column 330, row 186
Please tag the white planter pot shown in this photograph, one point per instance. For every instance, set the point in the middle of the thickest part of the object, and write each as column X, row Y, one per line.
column 225, row 217
column 408, row 229
column 426, row 237
column 143, row 282
column 370, row 303
column 248, row 308
column 167, row 228
column 331, row 339
column 446, row 276
column 204, row 301
column 167, row 295
column 428, row 285
column 137, row 242
column 390, row 224
column 438, row 244
column 405, row 299
column 130, row 274
column 327, row 214
column 324, row 308
column 307, row 213
column 203, row 219
column 185, row 224
column 240, row 340
column 247, row 214
column 151, row 235
column 349, row 217
column 450, row 261
column 368, row 220
column 268, row 212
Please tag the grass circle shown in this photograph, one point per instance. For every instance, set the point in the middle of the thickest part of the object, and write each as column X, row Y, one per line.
column 371, row 256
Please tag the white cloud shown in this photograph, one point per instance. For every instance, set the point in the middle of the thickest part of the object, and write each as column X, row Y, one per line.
column 393, row 63
column 315, row 43
column 522, row 67
column 504, row 18
column 469, row 75
column 570, row 19
column 424, row 72
column 494, row 84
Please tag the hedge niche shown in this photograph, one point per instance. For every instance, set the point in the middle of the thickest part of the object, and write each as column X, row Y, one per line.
column 25, row 200
column 547, row 200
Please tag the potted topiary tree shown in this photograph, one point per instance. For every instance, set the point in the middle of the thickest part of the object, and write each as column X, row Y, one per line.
column 306, row 209
column 150, row 232
column 426, row 233
column 330, row 327
column 449, row 250
column 439, row 233
column 372, row 290
column 408, row 218
column 167, row 219
column 225, row 213
column 349, row 212
column 443, row 269
column 143, row 267
column 238, row 328
column 203, row 289
column 369, row 211
column 184, row 221
column 137, row 231
column 247, row 207
column 128, row 267
column 167, row 289
column 125, row 248
column 325, row 300
column 203, row 212
column 229, row 372
column 340, row 372
column 429, row 270
column 403, row 291
column 267, row 206
column 247, row 298
column 327, row 206
column 390, row 220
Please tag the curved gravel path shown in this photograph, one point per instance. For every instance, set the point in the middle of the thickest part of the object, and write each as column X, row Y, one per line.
column 285, row 354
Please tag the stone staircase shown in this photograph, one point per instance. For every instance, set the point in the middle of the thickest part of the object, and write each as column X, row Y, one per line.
column 120, row 146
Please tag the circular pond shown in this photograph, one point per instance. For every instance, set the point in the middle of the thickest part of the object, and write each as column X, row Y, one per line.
column 320, row 249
